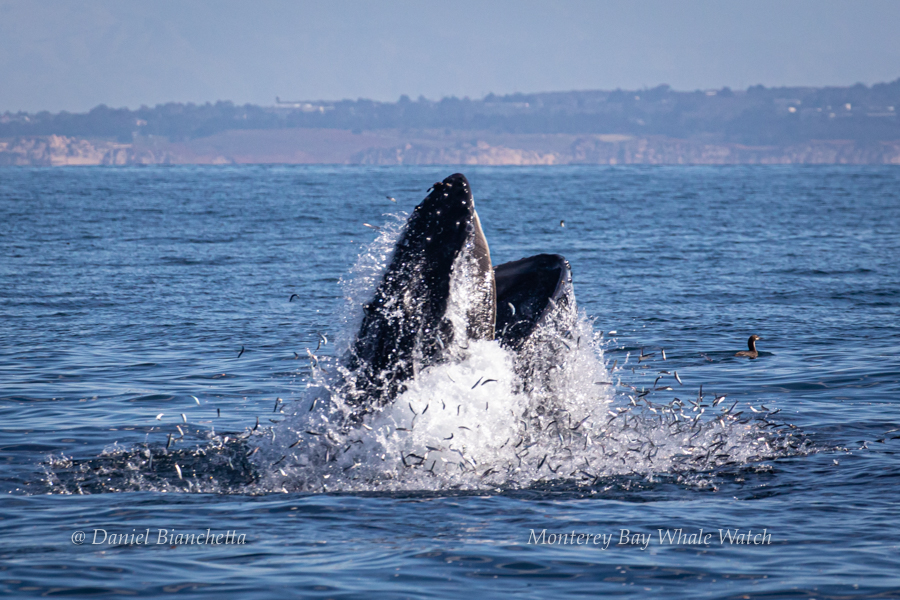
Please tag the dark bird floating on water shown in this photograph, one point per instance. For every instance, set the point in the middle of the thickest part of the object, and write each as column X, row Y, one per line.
column 751, row 343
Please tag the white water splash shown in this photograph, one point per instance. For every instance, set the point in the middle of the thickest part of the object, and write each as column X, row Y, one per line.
column 475, row 422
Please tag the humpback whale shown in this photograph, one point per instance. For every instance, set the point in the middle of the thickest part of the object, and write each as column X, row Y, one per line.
column 440, row 290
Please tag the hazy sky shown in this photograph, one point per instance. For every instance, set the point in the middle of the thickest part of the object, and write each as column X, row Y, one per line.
column 73, row 55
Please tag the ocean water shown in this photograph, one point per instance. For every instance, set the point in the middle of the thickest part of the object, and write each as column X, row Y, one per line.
column 149, row 320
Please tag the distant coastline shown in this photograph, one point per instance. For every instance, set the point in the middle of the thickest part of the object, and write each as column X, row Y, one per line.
column 789, row 125
column 335, row 146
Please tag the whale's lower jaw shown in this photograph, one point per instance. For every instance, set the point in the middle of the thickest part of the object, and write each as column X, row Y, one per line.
column 536, row 317
column 531, row 292
column 440, row 290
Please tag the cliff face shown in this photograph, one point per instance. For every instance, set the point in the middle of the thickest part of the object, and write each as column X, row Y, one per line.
column 668, row 151
column 479, row 153
column 60, row 151
column 392, row 147
column 593, row 150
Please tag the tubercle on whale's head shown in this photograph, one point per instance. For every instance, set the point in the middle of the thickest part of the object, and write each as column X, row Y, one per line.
column 452, row 194
column 443, row 220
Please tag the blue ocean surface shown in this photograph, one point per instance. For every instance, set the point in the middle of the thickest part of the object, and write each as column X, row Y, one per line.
column 149, row 320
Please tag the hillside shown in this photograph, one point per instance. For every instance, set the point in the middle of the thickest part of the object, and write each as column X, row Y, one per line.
column 855, row 124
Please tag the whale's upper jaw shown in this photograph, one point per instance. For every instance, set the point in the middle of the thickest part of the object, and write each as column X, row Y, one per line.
column 440, row 225
column 449, row 215
column 406, row 321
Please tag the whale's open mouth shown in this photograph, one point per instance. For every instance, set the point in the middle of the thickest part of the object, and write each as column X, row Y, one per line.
column 410, row 323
